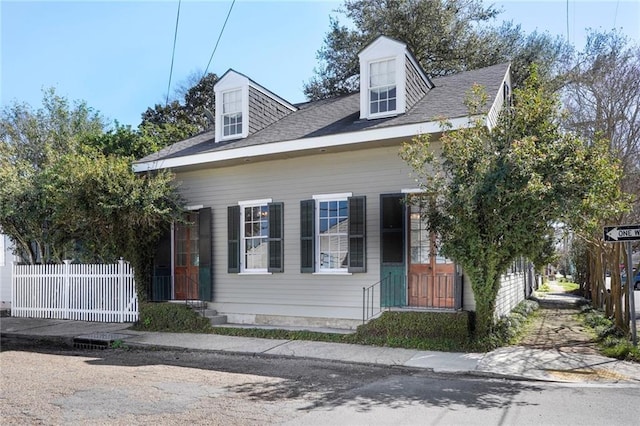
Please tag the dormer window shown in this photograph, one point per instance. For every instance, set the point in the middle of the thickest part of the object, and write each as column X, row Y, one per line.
column 232, row 113
column 243, row 107
column 391, row 80
column 382, row 87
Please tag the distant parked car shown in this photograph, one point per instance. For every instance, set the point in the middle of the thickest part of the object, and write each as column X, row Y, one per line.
column 636, row 279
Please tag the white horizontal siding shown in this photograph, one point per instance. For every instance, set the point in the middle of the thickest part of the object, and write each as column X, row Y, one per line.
column 511, row 293
column 368, row 172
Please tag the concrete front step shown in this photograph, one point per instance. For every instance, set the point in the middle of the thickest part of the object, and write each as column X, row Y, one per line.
column 217, row 319
column 202, row 308
column 213, row 316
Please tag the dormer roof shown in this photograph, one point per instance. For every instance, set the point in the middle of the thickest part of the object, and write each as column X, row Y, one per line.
column 336, row 122
column 391, row 79
column 243, row 107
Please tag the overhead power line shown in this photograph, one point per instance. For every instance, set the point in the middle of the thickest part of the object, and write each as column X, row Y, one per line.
column 219, row 37
column 173, row 52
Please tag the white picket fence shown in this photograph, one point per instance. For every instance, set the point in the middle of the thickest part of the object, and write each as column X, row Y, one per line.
column 95, row 292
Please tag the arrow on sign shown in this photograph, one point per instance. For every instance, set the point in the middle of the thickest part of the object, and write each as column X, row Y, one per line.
column 622, row 233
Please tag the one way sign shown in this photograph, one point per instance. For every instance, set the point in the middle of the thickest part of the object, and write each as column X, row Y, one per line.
column 622, row 233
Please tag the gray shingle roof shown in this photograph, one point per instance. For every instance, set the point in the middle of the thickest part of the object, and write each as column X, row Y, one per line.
column 342, row 115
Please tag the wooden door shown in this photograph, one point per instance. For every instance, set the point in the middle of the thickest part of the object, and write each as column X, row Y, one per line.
column 430, row 277
column 187, row 259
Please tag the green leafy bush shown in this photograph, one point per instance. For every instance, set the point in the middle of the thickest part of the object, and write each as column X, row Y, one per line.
column 171, row 317
column 416, row 329
column 509, row 328
column 282, row 334
column 612, row 342
column 443, row 331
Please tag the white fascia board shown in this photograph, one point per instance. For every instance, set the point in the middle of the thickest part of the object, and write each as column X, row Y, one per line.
column 498, row 101
column 364, row 136
column 272, row 95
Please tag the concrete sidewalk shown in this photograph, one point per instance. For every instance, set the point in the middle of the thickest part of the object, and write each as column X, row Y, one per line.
column 508, row 362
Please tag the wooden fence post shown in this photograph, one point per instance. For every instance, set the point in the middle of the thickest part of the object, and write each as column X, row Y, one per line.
column 121, row 288
column 66, row 280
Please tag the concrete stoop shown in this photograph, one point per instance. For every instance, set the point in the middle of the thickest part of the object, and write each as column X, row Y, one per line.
column 214, row 317
column 202, row 308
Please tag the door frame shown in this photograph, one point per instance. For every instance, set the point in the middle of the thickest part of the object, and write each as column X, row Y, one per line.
column 431, row 273
column 392, row 269
column 195, row 217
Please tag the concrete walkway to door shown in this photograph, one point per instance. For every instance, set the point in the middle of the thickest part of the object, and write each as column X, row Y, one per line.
column 557, row 346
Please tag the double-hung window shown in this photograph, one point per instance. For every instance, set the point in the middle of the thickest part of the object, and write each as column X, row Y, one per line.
column 232, row 113
column 332, row 229
column 255, row 237
column 333, row 238
column 382, row 87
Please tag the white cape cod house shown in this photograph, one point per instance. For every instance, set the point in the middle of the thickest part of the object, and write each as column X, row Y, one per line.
column 295, row 209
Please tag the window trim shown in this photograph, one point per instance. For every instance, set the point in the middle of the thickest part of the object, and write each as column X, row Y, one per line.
column 356, row 234
column 389, row 112
column 223, row 114
column 400, row 58
column 328, row 198
column 243, row 267
column 233, row 85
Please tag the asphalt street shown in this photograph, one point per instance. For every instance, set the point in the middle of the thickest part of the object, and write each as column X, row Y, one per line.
column 44, row 384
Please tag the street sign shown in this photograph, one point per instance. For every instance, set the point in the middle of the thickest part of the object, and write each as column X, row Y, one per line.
column 622, row 233
column 626, row 234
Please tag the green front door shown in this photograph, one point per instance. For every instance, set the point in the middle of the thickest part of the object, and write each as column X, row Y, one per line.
column 392, row 251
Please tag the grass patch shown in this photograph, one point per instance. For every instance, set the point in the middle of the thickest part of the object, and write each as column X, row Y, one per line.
column 510, row 328
column 264, row 333
column 170, row 317
column 611, row 341
column 437, row 331
column 440, row 331
column 414, row 330
column 544, row 288
column 567, row 285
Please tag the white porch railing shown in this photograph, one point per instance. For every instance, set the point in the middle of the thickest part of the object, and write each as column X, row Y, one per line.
column 94, row 292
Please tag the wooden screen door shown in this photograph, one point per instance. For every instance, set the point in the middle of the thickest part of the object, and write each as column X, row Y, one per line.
column 187, row 259
column 431, row 277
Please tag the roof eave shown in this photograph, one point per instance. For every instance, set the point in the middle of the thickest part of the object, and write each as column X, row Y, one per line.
column 290, row 146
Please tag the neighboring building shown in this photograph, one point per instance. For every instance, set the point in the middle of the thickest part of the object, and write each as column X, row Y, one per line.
column 294, row 209
column 6, row 261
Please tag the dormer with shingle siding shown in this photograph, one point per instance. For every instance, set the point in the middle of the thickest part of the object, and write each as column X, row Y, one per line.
column 391, row 80
column 417, row 83
column 243, row 107
column 265, row 109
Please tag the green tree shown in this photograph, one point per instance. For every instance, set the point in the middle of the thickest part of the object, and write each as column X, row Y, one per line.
column 446, row 36
column 163, row 125
column 30, row 141
column 67, row 189
column 38, row 136
column 124, row 141
column 603, row 101
column 493, row 195
column 106, row 211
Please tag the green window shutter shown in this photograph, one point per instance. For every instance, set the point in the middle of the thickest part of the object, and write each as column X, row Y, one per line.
column 161, row 284
column 276, row 237
column 205, row 253
column 357, row 234
column 307, row 235
column 233, row 239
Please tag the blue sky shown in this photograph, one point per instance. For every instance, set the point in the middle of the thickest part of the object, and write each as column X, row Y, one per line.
column 116, row 55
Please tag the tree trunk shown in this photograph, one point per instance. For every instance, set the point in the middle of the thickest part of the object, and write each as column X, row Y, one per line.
column 485, row 283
